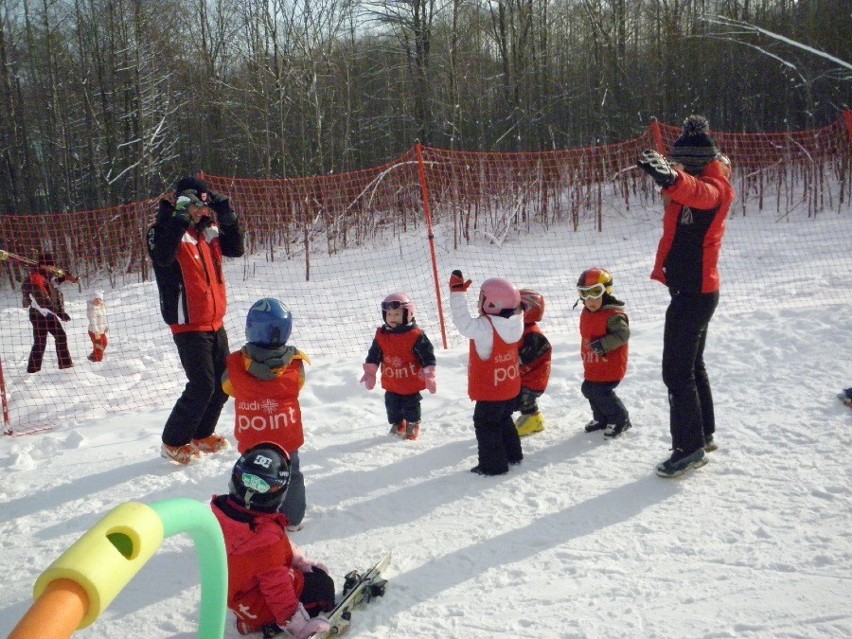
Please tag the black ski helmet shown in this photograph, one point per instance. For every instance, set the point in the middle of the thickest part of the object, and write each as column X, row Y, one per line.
column 260, row 478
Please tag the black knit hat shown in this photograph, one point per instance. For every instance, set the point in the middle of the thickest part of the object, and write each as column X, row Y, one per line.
column 694, row 148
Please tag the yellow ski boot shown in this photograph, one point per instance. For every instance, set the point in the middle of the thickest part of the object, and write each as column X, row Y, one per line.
column 529, row 424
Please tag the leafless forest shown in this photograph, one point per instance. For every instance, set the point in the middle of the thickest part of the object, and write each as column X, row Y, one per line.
column 104, row 102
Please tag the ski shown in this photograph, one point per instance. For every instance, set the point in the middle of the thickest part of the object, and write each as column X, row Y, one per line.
column 6, row 255
column 358, row 588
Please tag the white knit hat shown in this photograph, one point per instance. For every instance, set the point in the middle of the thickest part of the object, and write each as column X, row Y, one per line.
column 96, row 295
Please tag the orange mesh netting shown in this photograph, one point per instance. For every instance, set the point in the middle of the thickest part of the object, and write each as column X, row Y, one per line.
column 333, row 241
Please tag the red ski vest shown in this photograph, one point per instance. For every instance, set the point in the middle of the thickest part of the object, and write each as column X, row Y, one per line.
column 400, row 367
column 610, row 367
column 537, row 373
column 496, row 379
column 266, row 411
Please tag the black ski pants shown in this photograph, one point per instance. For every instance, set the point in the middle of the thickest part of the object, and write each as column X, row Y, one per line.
column 691, row 415
column 401, row 407
column 42, row 325
column 607, row 408
column 497, row 441
column 196, row 412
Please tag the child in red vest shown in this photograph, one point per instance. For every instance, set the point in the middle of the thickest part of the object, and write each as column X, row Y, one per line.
column 407, row 359
column 96, row 312
column 604, row 331
column 264, row 377
column 535, row 353
column 493, row 377
column 272, row 587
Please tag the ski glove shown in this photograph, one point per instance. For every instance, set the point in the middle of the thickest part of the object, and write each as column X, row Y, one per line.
column 368, row 379
column 458, row 283
column 597, row 347
column 301, row 626
column 303, row 564
column 657, row 167
column 428, row 374
column 65, row 317
column 221, row 205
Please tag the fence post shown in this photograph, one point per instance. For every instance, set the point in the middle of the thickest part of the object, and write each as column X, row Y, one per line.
column 427, row 211
column 7, row 424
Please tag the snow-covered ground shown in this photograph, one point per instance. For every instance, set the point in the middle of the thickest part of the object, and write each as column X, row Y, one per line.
column 581, row 540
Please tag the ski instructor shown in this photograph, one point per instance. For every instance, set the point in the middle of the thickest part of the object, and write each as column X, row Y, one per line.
column 186, row 245
column 697, row 195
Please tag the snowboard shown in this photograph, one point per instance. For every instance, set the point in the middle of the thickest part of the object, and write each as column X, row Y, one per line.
column 358, row 588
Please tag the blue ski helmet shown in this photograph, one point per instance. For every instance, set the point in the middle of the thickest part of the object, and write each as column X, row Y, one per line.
column 268, row 323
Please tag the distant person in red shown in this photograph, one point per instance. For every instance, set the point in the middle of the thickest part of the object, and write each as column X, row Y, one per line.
column 47, row 311
column 697, row 196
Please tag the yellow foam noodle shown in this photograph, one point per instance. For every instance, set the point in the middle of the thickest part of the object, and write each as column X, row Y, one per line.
column 108, row 556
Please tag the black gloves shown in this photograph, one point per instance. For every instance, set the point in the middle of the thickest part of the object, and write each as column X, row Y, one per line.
column 180, row 212
column 458, row 283
column 597, row 347
column 65, row 317
column 220, row 204
column 657, row 167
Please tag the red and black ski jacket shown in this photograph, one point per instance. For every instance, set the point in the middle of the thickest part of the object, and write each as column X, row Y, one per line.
column 693, row 225
column 188, row 268
column 535, row 355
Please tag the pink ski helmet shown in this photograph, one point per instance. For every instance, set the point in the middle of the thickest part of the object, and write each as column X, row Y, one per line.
column 399, row 300
column 497, row 295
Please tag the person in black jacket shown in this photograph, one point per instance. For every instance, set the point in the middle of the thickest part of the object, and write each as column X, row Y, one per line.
column 186, row 245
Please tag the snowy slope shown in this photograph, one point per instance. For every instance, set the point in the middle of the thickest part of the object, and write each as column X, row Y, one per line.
column 581, row 540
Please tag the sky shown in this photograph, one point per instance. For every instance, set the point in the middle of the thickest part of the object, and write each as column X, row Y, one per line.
column 582, row 540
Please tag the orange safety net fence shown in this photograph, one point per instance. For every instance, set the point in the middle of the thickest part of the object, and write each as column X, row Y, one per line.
column 332, row 241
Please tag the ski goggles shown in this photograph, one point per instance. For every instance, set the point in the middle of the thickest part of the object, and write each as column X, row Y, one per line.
column 394, row 305
column 591, row 292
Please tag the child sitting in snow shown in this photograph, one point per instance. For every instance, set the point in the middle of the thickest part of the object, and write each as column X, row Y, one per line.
column 604, row 331
column 272, row 587
column 96, row 311
column 407, row 359
column 493, row 380
column 535, row 354
column 264, row 377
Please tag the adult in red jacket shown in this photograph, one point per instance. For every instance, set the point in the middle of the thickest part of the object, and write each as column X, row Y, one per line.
column 186, row 246
column 47, row 310
column 697, row 195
